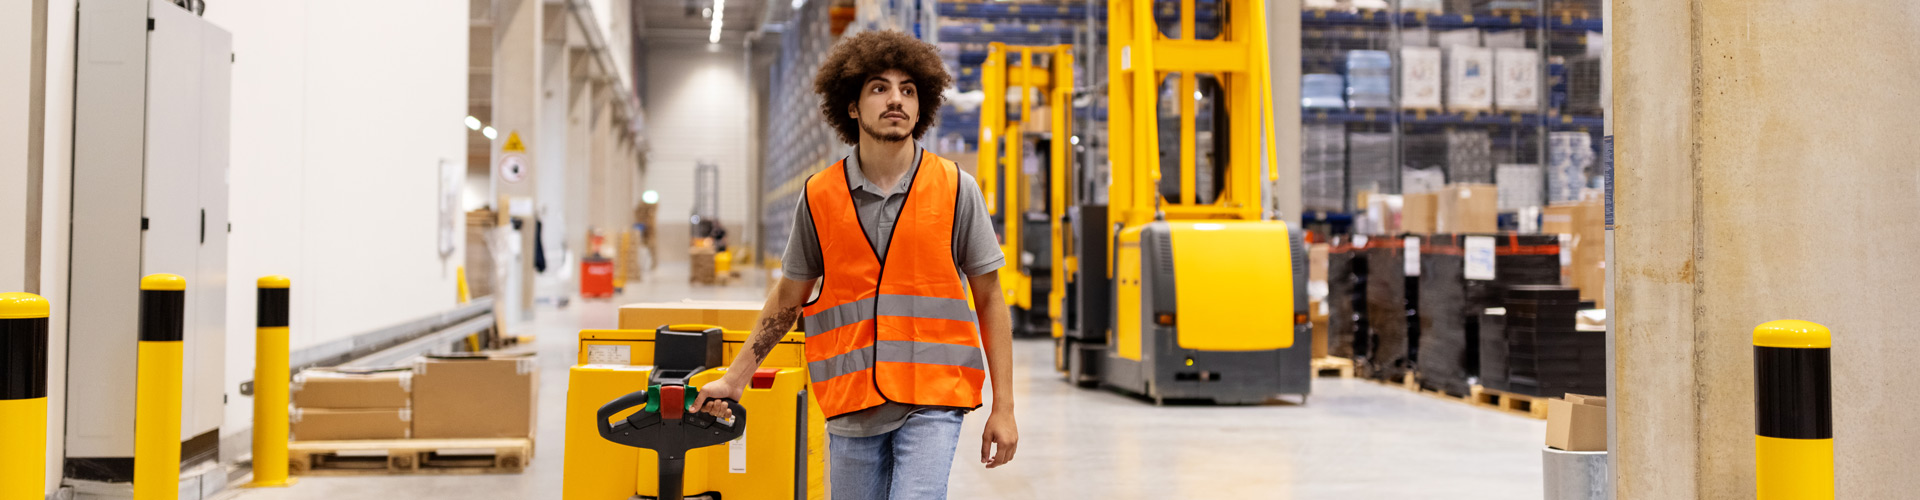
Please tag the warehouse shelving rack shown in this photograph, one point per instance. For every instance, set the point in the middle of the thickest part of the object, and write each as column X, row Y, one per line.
column 1328, row 34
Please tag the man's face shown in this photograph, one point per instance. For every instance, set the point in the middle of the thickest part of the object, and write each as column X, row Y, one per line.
column 889, row 105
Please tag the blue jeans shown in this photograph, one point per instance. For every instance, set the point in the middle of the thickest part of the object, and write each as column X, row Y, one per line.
column 911, row 463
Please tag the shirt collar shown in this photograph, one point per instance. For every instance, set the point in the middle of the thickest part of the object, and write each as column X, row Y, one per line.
column 858, row 180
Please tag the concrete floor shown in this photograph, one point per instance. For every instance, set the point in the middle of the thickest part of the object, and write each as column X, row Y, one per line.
column 1353, row 439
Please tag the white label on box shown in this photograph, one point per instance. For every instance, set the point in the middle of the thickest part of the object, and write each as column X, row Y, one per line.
column 1479, row 258
column 601, row 354
column 1566, row 250
column 1413, row 255
column 737, row 455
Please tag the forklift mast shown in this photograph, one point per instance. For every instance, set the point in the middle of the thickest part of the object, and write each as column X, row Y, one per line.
column 1224, row 66
column 1029, row 72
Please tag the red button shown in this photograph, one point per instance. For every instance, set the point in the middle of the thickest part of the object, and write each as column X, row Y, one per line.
column 763, row 378
column 673, row 402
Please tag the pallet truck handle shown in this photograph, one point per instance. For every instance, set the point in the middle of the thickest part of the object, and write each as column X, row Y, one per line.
column 620, row 404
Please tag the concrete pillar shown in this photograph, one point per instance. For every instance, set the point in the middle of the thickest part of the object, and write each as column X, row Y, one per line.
column 579, row 180
column 555, row 222
column 600, row 153
column 1764, row 170
column 517, row 78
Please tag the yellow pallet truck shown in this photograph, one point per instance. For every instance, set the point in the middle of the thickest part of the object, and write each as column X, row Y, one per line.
column 624, row 440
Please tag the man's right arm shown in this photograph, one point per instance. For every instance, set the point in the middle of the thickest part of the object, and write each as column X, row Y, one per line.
column 776, row 319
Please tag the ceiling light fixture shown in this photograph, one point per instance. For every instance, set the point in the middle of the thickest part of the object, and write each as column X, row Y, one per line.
column 473, row 123
column 719, row 15
column 489, row 133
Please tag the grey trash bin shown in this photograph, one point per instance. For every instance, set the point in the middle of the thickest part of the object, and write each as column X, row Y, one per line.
column 1576, row 475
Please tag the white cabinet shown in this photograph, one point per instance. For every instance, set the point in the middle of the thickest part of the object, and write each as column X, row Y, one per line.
column 150, row 196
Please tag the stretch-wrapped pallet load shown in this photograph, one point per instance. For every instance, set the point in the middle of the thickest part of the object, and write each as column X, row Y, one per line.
column 1461, row 275
column 1323, row 91
column 1370, row 164
column 1521, row 186
column 1369, row 79
column 1547, row 354
column 1568, row 154
column 1492, row 333
column 1389, row 309
column 1469, row 78
column 1583, row 86
column 1516, row 84
column 1469, row 156
column 1420, row 78
column 1347, row 330
column 1323, row 162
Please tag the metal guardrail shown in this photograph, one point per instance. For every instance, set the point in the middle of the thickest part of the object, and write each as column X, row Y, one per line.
column 394, row 342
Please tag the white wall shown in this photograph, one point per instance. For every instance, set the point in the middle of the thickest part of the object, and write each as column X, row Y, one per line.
column 341, row 117
column 16, row 50
column 697, row 104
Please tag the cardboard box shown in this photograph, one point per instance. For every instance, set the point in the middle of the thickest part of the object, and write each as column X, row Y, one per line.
column 336, row 390
column 1516, row 85
column 1384, row 211
column 1420, row 78
column 1316, row 311
column 318, row 424
column 1317, row 262
column 1584, row 223
column 1419, row 213
column 1469, row 78
column 1577, row 423
column 726, row 314
column 1467, row 208
column 477, row 397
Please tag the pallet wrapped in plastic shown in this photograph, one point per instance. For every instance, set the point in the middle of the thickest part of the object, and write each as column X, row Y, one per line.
column 1389, row 307
column 1450, row 304
column 1370, row 165
column 1347, row 329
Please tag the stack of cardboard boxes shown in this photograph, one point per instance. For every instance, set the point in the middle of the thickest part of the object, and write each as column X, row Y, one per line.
column 700, row 265
column 1584, row 224
column 1456, row 208
column 460, row 397
column 332, row 405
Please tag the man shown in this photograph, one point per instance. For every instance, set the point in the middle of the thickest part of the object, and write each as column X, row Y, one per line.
column 900, row 236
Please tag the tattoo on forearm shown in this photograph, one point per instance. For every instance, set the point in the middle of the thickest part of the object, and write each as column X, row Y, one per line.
column 771, row 329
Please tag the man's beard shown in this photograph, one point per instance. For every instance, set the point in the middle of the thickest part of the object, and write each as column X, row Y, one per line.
column 882, row 137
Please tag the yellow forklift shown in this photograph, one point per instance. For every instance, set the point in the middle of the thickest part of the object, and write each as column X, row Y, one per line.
column 1041, row 77
column 1184, row 279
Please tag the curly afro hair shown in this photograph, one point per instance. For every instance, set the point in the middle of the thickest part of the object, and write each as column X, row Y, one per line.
column 870, row 53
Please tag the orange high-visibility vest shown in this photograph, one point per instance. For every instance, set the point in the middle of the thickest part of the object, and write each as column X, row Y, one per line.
column 898, row 329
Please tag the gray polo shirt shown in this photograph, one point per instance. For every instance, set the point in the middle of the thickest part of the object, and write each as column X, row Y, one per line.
column 976, row 251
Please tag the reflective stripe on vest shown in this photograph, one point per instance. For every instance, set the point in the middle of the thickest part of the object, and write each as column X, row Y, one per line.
column 897, row 330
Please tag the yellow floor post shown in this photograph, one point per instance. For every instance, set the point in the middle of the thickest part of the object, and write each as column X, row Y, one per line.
column 1793, row 402
column 23, row 396
column 271, row 377
column 156, row 428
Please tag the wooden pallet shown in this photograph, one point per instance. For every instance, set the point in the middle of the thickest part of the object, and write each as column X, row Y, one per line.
column 1519, row 404
column 409, row 456
column 1341, row 367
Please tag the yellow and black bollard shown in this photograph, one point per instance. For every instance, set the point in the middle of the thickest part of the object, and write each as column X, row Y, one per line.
column 23, row 395
column 1793, row 403
column 271, row 376
column 156, row 428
